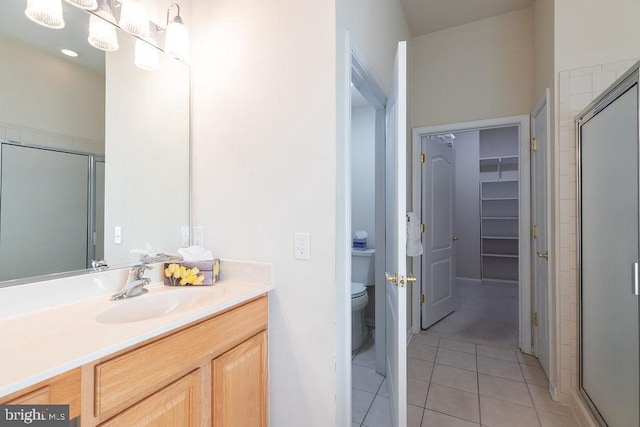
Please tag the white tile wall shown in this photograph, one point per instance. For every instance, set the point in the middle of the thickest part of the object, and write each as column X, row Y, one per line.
column 576, row 89
column 16, row 133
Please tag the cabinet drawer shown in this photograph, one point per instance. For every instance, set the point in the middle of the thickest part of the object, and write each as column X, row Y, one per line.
column 128, row 378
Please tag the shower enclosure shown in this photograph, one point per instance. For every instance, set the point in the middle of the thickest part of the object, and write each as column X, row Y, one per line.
column 609, row 345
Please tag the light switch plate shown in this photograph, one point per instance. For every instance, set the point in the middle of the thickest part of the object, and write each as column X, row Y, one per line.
column 198, row 235
column 184, row 236
column 302, row 247
column 118, row 235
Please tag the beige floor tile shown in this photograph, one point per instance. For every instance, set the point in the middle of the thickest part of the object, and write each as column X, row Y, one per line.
column 499, row 368
column 498, row 413
column 458, row 345
column 414, row 416
column 497, row 353
column 535, row 375
column 527, row 359
column 425, row 339
column 554, row 420
column 457, row 359
column 379, row 414
column 422, row 352
column 419, row 369
column 384, row 391
column 542, row 401
column 360, row 403
column 449, row 376
column 453, row 402
column 365, row 379
column 504, row 389
column 436, row 419
column 416, row 392
column 366, row 357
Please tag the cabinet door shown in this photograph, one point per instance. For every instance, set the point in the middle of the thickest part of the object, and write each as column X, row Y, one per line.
column 239, row 382
column 178, row 404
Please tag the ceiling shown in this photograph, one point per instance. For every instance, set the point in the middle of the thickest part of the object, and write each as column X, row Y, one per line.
column 427, row 16
column 14, row 24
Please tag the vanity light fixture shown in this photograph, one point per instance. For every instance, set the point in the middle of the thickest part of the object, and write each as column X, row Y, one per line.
column 134, row 17
column 176, row 41
column 146, row 55
column 102, row 30
column 47, row 13
column 84, row 4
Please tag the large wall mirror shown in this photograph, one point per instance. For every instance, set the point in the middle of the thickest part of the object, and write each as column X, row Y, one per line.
column 94, row 157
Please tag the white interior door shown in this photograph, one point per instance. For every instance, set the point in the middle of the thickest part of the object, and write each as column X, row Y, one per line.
column 395, row 259
column 438, row 204
column 540, row 254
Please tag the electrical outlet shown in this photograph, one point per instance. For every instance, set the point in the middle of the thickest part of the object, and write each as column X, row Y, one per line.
column 302, row 248
column 184, row 236
column 118, row 235
column 198, row 235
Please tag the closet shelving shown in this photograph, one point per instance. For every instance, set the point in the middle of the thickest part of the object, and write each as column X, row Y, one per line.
column 499, row 218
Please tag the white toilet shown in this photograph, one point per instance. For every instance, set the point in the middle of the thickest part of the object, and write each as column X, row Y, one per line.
column 362, row 275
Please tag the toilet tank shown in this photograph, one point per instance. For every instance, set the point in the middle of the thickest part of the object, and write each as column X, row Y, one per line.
column 363, row 267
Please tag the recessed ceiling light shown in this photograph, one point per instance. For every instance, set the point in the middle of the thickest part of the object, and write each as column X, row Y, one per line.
column 69, row 52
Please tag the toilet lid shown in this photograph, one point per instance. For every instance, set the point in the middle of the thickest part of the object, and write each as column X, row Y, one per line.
column 357, row 288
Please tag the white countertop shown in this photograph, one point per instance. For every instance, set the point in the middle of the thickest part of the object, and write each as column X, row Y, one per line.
column 39, row 343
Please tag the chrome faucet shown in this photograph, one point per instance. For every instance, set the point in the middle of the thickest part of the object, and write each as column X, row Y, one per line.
column 135, row 283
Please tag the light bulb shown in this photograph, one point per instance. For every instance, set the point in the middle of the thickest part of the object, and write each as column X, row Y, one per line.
column 134, row 17
column 47, row 13
column 102, row 30
column 177, row 40
column 146, row 56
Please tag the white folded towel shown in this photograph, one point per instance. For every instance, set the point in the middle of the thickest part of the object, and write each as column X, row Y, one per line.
column 414, row 242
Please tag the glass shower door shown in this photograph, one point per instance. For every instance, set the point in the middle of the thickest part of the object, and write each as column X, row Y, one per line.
column 609, row 343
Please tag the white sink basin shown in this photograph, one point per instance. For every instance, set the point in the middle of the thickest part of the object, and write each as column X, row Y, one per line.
column 157, row 303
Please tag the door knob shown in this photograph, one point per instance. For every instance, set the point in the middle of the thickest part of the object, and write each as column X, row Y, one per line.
column 411, row 278
column 391, row 278
column 454, row 238
column 544, row 255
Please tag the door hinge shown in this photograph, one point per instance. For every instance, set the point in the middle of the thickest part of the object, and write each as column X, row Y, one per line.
column 422, row 158
column 534, row 144
column 421, row 298
column 534, row 231
column 421, row 228
column 535, row 319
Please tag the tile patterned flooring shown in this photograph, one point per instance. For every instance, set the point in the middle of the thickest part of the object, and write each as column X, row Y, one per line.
column 458, row 384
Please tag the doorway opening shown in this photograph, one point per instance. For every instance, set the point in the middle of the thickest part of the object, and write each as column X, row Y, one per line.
column 471, row 188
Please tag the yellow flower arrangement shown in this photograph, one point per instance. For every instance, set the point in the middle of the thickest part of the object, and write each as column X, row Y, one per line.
column 180, row 275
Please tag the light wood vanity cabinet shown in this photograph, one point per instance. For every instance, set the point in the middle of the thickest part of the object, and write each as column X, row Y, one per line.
column 212, row 372
column 63, row 389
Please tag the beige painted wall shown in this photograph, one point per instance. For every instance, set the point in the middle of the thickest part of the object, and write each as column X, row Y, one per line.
column 44, row 95
column 475, row 71
column 593, row 32
column 264, row 167
column 147, row 154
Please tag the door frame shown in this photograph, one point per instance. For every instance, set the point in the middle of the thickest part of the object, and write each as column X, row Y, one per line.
column 524, row 223
column 551, row 321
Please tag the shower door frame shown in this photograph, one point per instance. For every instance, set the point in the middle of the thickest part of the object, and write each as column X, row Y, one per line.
column 623, row 84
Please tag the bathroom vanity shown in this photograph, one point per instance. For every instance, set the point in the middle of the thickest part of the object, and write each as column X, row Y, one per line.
column 204, row 364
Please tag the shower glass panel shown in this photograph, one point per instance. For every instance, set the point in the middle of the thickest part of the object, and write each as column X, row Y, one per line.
column 609, row 345
column 43, row 211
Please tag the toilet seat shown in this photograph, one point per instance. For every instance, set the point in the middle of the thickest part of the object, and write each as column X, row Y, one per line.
column 357, row 290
